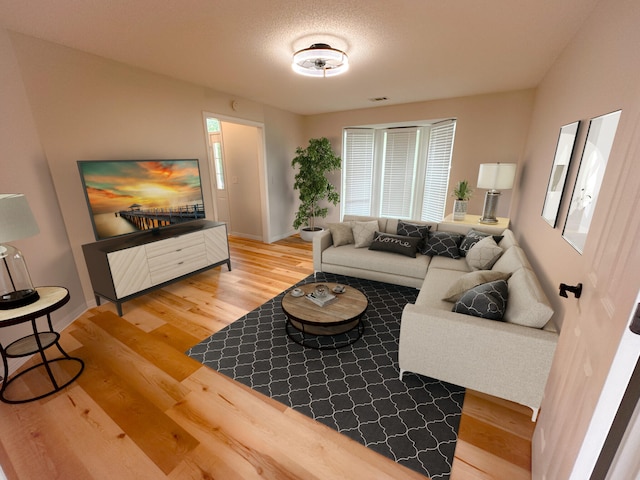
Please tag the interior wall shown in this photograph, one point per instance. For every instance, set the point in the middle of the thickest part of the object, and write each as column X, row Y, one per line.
column 490, row 128
column 87, row 107
column 596, row 74
column 281, row 144
column 242, row 144
column 25, row 170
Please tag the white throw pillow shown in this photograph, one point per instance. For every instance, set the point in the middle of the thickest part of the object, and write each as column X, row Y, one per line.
column 363, row 233
column 483, row 254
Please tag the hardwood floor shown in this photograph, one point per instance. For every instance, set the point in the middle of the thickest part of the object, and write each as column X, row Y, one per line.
column 144, row 410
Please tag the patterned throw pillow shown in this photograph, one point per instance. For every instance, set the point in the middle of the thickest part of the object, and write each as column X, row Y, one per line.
column 444, row 244
column 472, row 237
column 363, row 233
column 470, row 280
column 395, row 243
column 407, row 229
column 341, row 233
column 484, row 254
column 488, row 300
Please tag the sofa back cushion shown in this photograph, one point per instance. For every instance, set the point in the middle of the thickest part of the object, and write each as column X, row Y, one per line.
column 511, row 260
column 527, row 304
column 382, row 222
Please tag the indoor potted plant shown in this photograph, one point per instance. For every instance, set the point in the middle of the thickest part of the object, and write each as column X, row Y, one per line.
column 313, row 163
column 462, row 194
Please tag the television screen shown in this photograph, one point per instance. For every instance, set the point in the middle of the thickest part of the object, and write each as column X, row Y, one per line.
column 127, row 196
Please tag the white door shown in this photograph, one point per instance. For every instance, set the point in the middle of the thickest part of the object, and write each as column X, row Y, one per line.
column 587, row 380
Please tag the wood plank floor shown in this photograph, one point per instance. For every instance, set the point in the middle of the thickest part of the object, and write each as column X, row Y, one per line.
column 144, row 410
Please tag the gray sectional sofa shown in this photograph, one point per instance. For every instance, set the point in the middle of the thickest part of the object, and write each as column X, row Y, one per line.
column 510, row 358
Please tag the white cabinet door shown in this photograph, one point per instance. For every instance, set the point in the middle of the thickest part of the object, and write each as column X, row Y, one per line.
column 215, row 240
column 129, row 270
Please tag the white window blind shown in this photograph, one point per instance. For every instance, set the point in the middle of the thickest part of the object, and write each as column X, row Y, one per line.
column 399, row 164
column 357, row 174
column 437, row 171
column 397, row 172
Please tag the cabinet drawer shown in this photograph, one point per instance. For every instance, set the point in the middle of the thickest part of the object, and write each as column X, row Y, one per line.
column 177, row 263
column 175, row 244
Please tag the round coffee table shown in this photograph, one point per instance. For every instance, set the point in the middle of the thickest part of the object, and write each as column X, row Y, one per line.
column 307, row 321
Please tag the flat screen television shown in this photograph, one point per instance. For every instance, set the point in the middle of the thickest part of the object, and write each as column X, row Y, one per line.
column 129, row 196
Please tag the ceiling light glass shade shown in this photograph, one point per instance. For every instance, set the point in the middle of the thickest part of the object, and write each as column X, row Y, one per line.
column 320, row 60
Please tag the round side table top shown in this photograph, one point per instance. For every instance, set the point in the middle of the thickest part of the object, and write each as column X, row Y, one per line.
column 348, row 306
column 51, row 298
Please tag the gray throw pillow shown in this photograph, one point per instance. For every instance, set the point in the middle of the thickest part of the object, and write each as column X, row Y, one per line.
column 444, row 244
column 483, row 254
column 341, row 233
column 407, row 229
column 488, row 300
column 363, row 233
column 470, row 280
column 395, row 243
column 472, row 237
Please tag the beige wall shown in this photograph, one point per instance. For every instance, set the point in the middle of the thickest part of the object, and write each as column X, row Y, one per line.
column 490, row 128
column 25, row 170
column 86, row 107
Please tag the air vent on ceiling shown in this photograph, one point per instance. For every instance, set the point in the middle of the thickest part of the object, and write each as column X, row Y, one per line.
column 378, row 99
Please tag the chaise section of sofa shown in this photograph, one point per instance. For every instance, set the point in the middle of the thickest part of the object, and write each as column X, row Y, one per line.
column 509, row 359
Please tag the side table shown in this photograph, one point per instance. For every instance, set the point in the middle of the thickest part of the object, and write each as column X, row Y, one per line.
column 51, row 299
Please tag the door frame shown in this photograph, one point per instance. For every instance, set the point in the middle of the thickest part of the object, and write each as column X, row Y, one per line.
column 262, row 165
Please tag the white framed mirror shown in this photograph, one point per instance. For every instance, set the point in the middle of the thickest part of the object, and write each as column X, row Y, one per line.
column 602, row 131
column 559, row 169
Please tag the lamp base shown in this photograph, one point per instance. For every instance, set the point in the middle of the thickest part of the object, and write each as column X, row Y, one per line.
column 17, row 299
column 490, row 205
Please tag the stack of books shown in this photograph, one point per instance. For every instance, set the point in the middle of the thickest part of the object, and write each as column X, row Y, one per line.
column 321, row 301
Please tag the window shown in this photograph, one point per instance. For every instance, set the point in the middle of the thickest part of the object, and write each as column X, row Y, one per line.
column 397, row 172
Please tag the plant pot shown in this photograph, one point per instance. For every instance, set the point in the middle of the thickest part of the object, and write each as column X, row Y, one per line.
column 460, row 209
column 307, row 233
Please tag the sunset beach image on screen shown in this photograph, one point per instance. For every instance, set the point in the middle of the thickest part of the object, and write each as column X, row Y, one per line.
column 127, row 196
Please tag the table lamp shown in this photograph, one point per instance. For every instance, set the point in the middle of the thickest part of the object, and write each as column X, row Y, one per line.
column 494, row 177
column 16, row 222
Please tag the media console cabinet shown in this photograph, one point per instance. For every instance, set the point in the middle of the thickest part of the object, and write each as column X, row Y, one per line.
column 126, row 267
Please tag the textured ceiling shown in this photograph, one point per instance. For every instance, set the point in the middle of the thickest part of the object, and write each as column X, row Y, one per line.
column 406, row 50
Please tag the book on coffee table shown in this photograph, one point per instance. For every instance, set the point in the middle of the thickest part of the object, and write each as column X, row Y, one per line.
column 321, row 301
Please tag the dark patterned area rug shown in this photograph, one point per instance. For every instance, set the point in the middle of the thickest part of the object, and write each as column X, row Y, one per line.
column 354, row 390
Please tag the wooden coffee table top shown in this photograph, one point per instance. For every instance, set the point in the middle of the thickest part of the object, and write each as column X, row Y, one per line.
column 347, row 307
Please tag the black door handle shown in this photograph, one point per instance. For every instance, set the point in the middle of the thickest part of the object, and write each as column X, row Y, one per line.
column 576, row 290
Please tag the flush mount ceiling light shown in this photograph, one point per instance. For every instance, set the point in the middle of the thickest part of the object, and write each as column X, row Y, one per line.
column 320, row 60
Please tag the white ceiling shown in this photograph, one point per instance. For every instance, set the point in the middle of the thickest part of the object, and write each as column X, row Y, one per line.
column 406, row 50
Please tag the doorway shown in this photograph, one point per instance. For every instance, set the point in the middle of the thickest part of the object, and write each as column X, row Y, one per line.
column 237, row 171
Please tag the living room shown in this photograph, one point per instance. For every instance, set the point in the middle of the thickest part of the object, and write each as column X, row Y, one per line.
column 63, row 105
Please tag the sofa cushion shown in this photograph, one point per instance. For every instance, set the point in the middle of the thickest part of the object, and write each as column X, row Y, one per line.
column 511, row 260
column 363, row 233
column 472, row 237
column 350, row 257
column 443, row 243
column 435, row 285
column 459, row 264
column 470, row 280
column 528, row 304
column 341, row 233
column 488, row 300
column 508, row 239
column 387, row 242
column 484, row 254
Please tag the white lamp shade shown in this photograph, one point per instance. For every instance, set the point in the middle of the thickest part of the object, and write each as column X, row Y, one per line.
column 496, row 176
column 16, row 218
